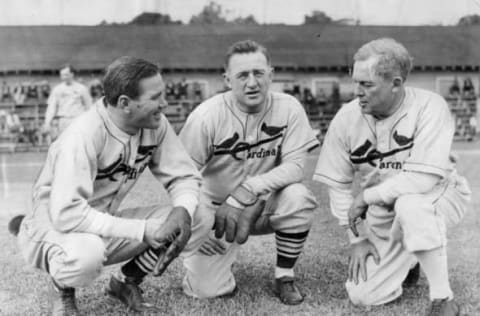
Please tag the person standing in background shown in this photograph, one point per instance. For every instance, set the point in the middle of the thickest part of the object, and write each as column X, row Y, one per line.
column 67, row 100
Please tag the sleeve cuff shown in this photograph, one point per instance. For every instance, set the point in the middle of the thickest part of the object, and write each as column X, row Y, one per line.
column 187, row 201
column 254, row 185
column 372, row 196
column 233, row 202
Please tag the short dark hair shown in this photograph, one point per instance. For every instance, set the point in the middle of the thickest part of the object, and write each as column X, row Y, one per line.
column 245, row 47
column 122, row 77
column 68, row 66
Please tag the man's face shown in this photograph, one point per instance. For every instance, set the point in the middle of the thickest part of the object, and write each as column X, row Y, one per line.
column 66, row 75
column 146, row 109
column 249, row 76
column 376, row 94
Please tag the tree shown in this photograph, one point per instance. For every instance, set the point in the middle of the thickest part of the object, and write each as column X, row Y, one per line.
column 317, row 17
column 473, row 19
column 248, row 20
column 151, row 18
column 212, row 13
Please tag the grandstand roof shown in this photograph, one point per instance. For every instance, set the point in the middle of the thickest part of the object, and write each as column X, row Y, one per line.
column 201, row 48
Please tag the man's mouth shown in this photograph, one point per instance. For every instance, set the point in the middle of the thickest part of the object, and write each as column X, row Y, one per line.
column 252, row 94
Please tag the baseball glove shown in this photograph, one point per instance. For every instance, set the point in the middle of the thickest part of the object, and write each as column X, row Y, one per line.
column 173, row 236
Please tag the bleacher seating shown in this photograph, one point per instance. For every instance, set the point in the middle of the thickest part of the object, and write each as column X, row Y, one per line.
column 320, row 113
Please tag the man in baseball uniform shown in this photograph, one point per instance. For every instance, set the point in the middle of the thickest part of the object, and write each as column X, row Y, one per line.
column 76, row 226
column 250, row 145
column 67, row 100
column 397, row 140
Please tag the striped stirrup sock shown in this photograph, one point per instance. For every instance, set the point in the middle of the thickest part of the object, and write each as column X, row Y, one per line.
column 289, row 248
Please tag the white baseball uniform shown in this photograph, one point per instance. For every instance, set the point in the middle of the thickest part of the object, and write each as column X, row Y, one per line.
column 418, row 193
column 76, row 226
column 67, row 102
column 265, row 151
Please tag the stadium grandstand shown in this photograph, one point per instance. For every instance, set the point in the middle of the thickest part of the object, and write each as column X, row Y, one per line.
column 312, row 62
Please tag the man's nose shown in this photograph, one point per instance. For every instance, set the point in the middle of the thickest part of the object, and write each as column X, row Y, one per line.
column 251, row 80
column 359, row 90
column 162, row 103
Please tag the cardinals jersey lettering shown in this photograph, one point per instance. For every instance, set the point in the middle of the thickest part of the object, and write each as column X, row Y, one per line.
column 417, row 137
column 230, row 146
column 94, row 164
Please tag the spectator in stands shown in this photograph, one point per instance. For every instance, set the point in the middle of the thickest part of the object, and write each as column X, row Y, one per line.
column 296, row 92
column 14, row 125
column 169, row 90
column 197, row 92
column 454, row 90
column 67, row 100
column 96, row 90
column 468, row 90
column 44, row 89
column 472, row 122
column 176, row 91
column 183, row 89
column 32, row 91
column 322, row 98
column 5, row 92
column 308, row 99
column 19, row 93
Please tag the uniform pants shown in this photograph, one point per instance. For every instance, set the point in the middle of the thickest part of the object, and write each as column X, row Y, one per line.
column 289, row 210
column 76, row 259
column 417, row 222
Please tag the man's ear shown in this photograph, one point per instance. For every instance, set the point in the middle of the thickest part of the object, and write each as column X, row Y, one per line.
column 272, row 72
column 123, row 103
column 226, row 79
column 397, row 83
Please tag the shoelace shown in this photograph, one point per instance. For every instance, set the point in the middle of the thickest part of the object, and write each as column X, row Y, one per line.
column 135, row 291
column 289, row 285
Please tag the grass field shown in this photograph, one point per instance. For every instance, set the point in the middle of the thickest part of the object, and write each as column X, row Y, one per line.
column 321, row 270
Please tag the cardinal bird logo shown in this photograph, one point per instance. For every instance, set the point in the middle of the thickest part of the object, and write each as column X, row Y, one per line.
column 362, row 150
column 227, row 143
column 272, row 130
column 401, row 140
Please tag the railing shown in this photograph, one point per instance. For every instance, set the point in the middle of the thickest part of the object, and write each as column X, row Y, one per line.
column 32, row 116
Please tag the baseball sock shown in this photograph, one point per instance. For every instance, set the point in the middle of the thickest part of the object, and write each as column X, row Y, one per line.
column 434, row 265
column 289, row 248
column 141, row 265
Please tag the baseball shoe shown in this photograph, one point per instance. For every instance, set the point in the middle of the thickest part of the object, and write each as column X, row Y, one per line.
column 63, row 301
column 129, row 293
column 230, row 294
column 412, row 277
column 287, row 291
column 443, row 307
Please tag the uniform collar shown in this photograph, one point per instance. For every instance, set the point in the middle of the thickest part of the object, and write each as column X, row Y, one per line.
column 398, row 114
column 113, row 129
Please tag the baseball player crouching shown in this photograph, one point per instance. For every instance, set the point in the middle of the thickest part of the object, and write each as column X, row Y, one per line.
column 76, row 226
column 398, row 138
column 250, row 145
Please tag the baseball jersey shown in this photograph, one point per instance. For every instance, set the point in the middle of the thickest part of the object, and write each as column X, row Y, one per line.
column 68, row 100
column 416, row 138
column 93, row 165
column 266, row 151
